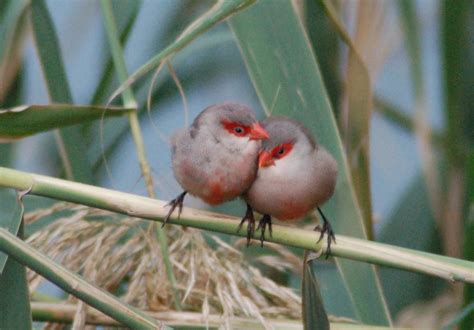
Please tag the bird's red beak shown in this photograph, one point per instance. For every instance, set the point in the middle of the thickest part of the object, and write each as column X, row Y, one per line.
column 265, row 159
column 257, row 132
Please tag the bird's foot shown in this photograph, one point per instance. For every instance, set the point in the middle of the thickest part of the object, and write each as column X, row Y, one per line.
column 250, row 226
column 264, row 221
column 177, row 202
column 326, row 229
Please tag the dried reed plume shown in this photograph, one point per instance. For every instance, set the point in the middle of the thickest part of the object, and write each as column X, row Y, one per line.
column 116, row 253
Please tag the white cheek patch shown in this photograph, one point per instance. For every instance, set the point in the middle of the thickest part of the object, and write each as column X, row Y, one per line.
column 241, row 145
column 282, row 169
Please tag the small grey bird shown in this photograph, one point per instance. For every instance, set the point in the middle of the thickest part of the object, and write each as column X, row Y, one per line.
column 295, row 176
column 215, row 158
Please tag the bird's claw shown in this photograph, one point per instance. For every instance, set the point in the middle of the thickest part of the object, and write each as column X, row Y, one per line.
column 251, row 223
column 326, row 229
column 264, row 221
column 177, row 202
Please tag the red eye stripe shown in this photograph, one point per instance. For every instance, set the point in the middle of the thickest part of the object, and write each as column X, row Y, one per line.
column 282, row 150
column 236, row 128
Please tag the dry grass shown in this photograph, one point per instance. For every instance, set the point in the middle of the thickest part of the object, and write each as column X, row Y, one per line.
column 117, row 254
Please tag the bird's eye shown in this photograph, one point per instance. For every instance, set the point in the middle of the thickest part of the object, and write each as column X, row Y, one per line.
column 236, row 129
column 282, row 150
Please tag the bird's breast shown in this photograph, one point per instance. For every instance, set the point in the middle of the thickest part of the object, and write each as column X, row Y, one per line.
column 216, row 175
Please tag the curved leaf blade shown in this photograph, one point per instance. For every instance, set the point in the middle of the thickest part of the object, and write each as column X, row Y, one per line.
column 314, row 314
column 45, row 36
column 27, row 120
column 286, row 76
column 15, row 311
column 12, row 26
column 11, row 223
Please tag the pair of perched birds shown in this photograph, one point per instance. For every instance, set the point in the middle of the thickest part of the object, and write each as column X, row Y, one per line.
column 276, row 166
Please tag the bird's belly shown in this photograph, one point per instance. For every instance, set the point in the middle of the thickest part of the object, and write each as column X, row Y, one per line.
column 217, row 184
column 283, row 200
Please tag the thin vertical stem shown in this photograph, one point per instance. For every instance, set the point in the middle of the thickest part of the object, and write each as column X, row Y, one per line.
column 129, row 100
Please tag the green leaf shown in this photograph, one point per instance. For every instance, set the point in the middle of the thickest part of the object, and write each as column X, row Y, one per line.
column 15, row 312
column 403, row 288
column 26, row 120
column 12, row 19
column 314, row 314
column 286, row 76
column 327, row 49
column 458, row 53
column 10, row 16
column 12, row 224
column 75, row 164
column 458, row 57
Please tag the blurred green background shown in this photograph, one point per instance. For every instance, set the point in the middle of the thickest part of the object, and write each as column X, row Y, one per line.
column 415, row 104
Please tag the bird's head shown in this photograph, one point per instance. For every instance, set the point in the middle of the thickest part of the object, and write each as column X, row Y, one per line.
column 288, row 139
column 231, row 123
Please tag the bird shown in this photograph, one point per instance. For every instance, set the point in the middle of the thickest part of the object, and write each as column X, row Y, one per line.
column 295, row 176
column 215, row 159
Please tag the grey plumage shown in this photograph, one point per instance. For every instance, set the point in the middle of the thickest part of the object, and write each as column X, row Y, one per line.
column 211, row 163
column 297, row 183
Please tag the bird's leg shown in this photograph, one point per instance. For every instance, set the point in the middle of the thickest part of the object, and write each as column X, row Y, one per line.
column 251, row 225
column 326, row 229
column 177, row 202
column 264, row 221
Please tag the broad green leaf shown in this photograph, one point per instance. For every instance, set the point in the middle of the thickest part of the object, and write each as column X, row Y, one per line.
column 26, row 120
column 9, row 18
column 458, row 52
column 11, row 223
column 321, row 32
column 458, row 57
column 15, row 312
column 403, row 288
column 314, row 314
column 332, row 285
column 286, row 77
column 11, row 212
column 74, row 150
